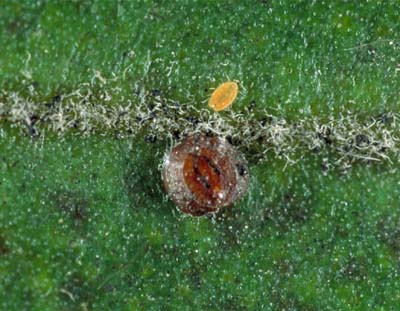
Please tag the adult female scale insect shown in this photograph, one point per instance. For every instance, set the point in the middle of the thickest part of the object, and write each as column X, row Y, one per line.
column 202, row 174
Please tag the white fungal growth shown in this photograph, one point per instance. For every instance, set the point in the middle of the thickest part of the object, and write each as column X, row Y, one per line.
column 348, row 137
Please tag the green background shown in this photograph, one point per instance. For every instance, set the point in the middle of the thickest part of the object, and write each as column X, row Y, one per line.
column 84, row 222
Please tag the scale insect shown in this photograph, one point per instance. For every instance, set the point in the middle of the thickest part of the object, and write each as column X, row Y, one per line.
column 204, row 173
column 223, row 96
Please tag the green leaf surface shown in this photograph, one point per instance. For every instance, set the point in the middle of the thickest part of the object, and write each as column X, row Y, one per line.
column 85, row 223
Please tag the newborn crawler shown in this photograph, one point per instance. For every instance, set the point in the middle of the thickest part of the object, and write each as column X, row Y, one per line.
column 223, row 96
column 203, row 174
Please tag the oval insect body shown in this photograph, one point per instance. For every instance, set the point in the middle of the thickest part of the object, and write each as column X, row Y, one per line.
column 223, row 96
column 201, row 175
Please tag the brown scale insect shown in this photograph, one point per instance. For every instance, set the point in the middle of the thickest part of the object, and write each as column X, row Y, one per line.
column 202, row 174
